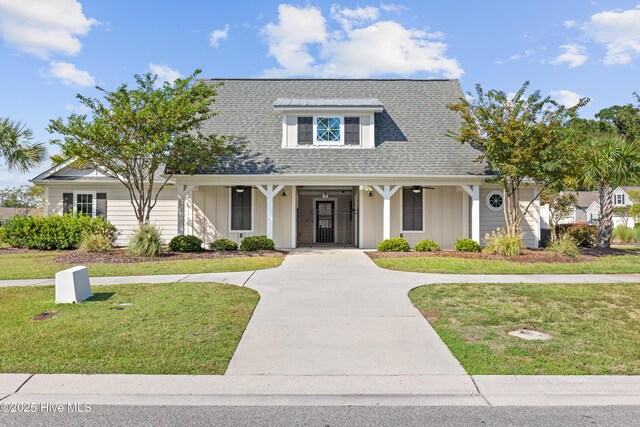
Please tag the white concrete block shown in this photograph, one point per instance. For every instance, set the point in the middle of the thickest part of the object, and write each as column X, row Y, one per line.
column 72, row 285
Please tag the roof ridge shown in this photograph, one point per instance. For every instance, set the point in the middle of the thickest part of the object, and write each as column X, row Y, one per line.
column 326, row 79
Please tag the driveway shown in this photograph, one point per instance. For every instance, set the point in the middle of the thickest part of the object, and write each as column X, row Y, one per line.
column 334, row 312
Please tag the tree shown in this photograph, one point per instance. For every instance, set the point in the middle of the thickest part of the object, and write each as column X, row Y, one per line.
column 16, row 147
column 609, row 160
column 634, row 209
column 623, row 212
column 24, row 198
column 524, row 139
column 134, row 134
column 560, row 205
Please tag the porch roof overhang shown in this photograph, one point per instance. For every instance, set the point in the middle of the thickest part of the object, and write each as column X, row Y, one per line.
column 318, row 180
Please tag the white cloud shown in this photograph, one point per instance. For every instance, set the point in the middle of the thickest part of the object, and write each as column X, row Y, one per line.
column 393, row 7
column 44, row 27
column 349, row 18
column 619, row 32
column 78, row 109
column 217, row 36
column 574, row 55
column 69, row 75
column 569, row 24
column 565, row 97
column 361, row 48
column 164, row 72
column 527, row 53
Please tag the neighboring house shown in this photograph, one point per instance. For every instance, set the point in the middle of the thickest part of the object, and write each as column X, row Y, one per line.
column 327, row 162
column 587, row 208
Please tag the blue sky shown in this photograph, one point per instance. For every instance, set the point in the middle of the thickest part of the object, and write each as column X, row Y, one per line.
column 52, row 49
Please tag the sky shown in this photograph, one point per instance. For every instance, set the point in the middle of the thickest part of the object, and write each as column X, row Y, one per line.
column 51, row 50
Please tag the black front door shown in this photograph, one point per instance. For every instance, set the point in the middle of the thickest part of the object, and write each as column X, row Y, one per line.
column 325, row 222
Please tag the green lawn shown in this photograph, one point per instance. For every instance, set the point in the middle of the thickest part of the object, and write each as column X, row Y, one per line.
column 179, row 328
column 41, row 265
column 594, row 327
column 433, row 264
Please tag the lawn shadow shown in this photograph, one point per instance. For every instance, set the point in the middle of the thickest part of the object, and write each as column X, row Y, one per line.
column 100, row 296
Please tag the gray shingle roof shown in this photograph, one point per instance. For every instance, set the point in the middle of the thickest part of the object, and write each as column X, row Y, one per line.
column 409, row 134
column 328, row 102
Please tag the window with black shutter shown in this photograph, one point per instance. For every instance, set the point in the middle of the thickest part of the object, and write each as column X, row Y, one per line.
column 412, row 209
column 101, row 205
column 352, row 130
column 67, row 203
column 305, row 130
column 241, row 209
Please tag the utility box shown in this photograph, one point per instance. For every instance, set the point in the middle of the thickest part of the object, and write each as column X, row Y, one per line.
column 72, row 285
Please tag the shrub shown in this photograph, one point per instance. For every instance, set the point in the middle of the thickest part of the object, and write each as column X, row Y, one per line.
column 396, row 244
column 501, row 243
column 223, row 245
column 624, row 234
column 185, row 244
column 467, row 245
column 565, row 245
column 584, row 235
column 146, row 242
column 54, row 232
column 257, row 243
column 95, row 243
column 426, row 246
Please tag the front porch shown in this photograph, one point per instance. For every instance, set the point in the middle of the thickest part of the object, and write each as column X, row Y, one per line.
column 338, row 213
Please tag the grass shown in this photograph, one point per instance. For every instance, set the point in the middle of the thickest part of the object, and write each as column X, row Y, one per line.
column 179, row 328
column 42, row 265
column 594, row 327
column 622, row 264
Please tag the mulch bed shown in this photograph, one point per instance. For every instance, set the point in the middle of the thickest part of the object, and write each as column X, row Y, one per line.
column 118, row 256
column 529, row 256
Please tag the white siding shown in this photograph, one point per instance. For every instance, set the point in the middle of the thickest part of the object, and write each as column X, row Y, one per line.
column 119, row 210
column 493, row 220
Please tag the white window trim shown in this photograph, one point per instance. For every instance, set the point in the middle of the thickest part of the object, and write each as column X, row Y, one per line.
column 424, row 211
column 93, row 201
column 494, row 209
column 253, row 209
column 315, row 130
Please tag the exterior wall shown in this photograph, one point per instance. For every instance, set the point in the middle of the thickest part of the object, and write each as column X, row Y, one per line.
column 119, row 210
column 211, row 220
column 290, row 126
column 493, row 220
column 444, row 217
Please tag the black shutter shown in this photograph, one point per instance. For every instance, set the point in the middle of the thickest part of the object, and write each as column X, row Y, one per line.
column 352, row 130
column 101, row 205
column 411, row 209
column 67, row 203
column 241, row 209
column 305, row 130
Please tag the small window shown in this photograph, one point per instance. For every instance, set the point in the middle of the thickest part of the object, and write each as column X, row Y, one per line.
column 241, row 209
column 328, row 129
column 495, row 200
column 619, row 199
column 84, row 204
column 305, row 130
column 412, row 209
column 352, row 130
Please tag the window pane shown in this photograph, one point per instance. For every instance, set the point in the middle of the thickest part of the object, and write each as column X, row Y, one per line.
column 411, row 209
column 84, row 204
column 241, row 209
column 328, row 129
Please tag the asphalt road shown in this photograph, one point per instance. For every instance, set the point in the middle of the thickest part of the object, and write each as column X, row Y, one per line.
column 333, row 416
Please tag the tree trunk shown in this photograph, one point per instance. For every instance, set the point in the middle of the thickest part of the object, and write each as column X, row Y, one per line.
column 605, row 223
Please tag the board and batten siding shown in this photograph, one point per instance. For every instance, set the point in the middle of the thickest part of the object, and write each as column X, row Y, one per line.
column 120, row 212
column 491, row 220
column 211, row 221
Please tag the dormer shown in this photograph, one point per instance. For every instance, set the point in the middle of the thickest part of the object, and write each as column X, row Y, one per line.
column 322, row 123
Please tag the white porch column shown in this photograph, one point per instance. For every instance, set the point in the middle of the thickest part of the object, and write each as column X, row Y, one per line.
column 183, row 191
column 386, row 192
column 474, row 192
column 270, row 192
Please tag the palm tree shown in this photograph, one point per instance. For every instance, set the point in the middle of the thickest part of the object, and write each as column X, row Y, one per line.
column 16, row 147
column 609, row 161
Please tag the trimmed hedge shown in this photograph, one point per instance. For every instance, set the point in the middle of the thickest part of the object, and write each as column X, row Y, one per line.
column 54, row 232
column 467, row 245
column 257, row 243
column 223, row 245
column 186, row 243
column 427, row 246
column 395, row 244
